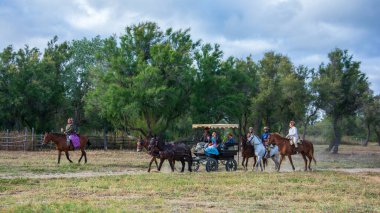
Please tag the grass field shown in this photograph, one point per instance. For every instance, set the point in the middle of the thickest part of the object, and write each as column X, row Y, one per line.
column 117, row 181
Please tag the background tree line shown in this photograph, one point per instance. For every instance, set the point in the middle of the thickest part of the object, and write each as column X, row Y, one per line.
column 152, row 81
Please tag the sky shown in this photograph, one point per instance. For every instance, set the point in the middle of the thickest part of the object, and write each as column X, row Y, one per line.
column 304, row 30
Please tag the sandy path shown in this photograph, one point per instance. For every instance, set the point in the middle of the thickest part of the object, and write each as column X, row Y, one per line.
column 137, row 172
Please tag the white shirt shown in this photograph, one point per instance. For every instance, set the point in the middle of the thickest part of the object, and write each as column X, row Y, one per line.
column 293, row 134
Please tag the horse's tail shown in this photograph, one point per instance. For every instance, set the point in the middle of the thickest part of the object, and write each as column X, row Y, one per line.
column 312, row 153
column 88, row 143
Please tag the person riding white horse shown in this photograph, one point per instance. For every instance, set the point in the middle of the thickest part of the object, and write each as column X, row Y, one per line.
column 260, row 150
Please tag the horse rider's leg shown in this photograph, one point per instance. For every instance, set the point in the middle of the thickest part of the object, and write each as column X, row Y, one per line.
column 59, row 156
column 281, row 159
column 304, row 158
column 151, row 161
column 291, row 162
column 161, row 162
column 67, row 156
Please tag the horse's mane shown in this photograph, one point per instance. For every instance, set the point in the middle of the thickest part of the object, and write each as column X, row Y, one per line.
column 57, row 134
column 280, row 136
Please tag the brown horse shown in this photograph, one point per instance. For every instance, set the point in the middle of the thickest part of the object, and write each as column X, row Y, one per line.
column 306, row 149
column 247, row 152
column 61, row 145
column 143, row 144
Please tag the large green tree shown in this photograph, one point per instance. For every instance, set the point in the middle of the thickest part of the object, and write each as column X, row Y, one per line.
column 144, row 83
column 342, row 88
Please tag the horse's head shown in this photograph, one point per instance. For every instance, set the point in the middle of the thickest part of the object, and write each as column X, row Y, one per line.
column 140, row 144
column 47, row 138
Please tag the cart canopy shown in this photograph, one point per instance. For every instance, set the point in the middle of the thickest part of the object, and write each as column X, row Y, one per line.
column 215, row 126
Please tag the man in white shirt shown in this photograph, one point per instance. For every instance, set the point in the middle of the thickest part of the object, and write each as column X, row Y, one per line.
column 293, row 134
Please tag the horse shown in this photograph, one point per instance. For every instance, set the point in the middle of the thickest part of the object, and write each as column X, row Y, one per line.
column 143, row 144
column 259, row 151
column 306, row 149
column 61, row 145
column 247, row 152
column 172, row 152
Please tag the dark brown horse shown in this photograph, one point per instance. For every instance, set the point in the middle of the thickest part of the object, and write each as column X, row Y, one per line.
column 247, row 152
column 171, row 152
column 306, row 149
column 143, row 144
column 61, row 145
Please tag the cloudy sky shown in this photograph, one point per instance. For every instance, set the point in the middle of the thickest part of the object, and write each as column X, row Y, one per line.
column 304, row 30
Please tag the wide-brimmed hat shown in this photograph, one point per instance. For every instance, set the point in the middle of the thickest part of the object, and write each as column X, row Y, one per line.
column 266, row 128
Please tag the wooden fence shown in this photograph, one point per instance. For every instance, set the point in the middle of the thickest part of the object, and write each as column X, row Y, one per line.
column 28, row 140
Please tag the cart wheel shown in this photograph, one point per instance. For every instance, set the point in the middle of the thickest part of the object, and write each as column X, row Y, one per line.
column 195, row 166
column 211, row 165
column 231, row 165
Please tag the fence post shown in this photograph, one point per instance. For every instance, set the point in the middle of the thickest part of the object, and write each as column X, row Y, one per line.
column 7, row 139
column 105, row 138
column 25, row 136
column 32, row 139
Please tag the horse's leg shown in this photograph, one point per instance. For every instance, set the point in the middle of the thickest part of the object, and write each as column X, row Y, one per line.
column 291, row 162
column 85, row 156
column 172, row 164
column 155, row 161
column 304, row 158
column 183, row 165
column 254, row 162
column 67, row 156
column 190, row 163
column 242, row 163
column 281, row 159
column 59, row 156
column 81, row 156
column 151, row 161
column 161, row 162
column 310, row 159
column 275, row 162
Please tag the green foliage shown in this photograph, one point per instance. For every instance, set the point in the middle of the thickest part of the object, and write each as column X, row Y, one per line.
column 145, row 83
column 342, row 89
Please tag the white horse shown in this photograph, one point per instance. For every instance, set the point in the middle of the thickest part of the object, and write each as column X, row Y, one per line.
column 260, row 151
column 274, row 154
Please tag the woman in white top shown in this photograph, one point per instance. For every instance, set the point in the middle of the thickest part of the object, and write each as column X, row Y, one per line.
column 293, row 133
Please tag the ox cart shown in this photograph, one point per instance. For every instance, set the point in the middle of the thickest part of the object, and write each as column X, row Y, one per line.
column 226, row 155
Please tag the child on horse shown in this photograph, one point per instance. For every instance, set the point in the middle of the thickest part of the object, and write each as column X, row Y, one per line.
column 69, row 130
column 293, row 134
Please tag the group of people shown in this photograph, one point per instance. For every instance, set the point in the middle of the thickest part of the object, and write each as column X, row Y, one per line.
column 292, row 135
column 214, row 140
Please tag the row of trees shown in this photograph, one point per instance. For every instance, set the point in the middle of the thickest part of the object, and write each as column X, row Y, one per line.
column 150, row 81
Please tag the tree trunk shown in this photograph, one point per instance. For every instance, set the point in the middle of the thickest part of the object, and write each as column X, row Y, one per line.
column 378, row 136
column 334, row 146
column 368, row 134
column 304, row 130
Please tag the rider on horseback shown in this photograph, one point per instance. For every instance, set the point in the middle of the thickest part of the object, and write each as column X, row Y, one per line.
column 264, row 137
column 69, row 130
column 293, row 134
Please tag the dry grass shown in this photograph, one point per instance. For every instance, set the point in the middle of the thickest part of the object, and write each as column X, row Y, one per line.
column 22, row 190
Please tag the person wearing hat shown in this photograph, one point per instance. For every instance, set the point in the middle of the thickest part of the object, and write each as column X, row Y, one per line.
column 293, row 134
column 264, row 138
